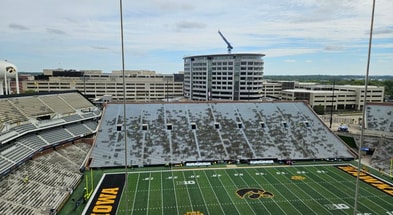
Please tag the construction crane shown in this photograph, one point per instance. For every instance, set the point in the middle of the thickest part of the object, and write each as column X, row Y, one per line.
column 229, row 47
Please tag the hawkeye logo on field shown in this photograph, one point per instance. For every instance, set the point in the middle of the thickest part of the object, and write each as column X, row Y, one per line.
column 253, row 193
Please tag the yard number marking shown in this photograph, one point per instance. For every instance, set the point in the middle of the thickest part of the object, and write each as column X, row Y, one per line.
column 337, row 206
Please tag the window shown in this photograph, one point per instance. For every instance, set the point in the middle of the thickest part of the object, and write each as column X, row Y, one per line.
column 169, row 127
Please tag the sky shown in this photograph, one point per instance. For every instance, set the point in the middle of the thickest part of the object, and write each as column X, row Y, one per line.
column 298, row 37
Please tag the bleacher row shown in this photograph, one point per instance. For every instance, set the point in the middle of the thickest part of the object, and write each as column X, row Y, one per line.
column 22, row 134
column 178, row 132
column 380, row 119
column 29, row 127
column 33, row 125
column 19, row 109
column 43, row 183
column 26, row 146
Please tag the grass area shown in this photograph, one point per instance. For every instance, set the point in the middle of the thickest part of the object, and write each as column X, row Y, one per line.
column 298, row 189
column 271, row 190
column 72, row 206
column 349, row 141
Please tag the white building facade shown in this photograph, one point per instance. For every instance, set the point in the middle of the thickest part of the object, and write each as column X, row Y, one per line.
column 141, row 85
column 224, row 76
column 342, row 97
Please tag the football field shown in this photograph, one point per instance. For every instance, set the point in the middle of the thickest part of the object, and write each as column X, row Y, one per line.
column 317, row 189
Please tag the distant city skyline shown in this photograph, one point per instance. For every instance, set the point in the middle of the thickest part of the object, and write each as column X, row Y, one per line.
column 299, row 37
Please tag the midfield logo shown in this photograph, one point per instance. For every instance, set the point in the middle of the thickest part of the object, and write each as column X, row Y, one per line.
column 253, row 193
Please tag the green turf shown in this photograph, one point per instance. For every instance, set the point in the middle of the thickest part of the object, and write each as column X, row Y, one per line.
column 321, row 190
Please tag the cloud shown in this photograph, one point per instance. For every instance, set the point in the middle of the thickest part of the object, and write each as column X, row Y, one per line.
column 56, row 31
column 290, row 52
column 100, row 47
column 172, row 29
column 333, row 48
column 172, row 6
column 18, row 27
column 382, row 30
column 189, row 25
column 290, row 61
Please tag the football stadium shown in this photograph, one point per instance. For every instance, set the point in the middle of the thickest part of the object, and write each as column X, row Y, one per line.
column 62, row 154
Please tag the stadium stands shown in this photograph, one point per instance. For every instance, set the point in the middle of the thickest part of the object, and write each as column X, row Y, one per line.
column 56, row 103
column 75, row 100
column 31, row 106
column 180, row 132
column 380, row 120
column 380, row 117
column 9, row 114
column 32, row 125
column 24, row 134
column 43, row 183
column 26, row 146
column 157, row 134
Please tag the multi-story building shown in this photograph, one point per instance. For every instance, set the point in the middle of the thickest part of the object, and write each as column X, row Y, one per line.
column 272, row 89
column 223, row 76
column 342, row 97
column 141, row 85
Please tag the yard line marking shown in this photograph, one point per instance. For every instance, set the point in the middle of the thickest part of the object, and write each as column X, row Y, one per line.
column 203, row 198
column 350, row 204
column 219, row 179
column 174, row 191
column 148, row 193
column 240, row 174
column 256, row 182
column 311, row 188
column 346, row 199
column 364, row 190
column 162, row 196
column 189, row 197
column 334, row 194
column 219, row 203
column 289, row 201
column 135, row 194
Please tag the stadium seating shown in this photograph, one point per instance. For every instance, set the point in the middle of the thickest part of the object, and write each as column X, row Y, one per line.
column 29, row 125
column 43, row 183
column 23, row 135
column 55, row 135
column 380, row 117
column 56, row 103
column 76, row 100
column 163, row 133
column 72, row 118
column 380, row 120
column 10, row 114
column 31, row 106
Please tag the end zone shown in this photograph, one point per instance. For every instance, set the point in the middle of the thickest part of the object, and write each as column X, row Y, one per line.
column 370, row 179
column 106, row 198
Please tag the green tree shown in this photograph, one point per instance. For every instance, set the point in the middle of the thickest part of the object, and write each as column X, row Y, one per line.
column 319, row 110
